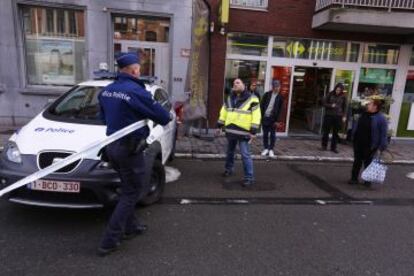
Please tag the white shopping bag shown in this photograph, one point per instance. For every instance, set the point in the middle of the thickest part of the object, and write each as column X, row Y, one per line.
column 375, row 173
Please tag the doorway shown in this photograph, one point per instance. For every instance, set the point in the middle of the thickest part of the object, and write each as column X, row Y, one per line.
column 310, row 85
column 154, row 58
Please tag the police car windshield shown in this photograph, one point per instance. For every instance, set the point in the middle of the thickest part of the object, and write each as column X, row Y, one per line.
column 80, row 104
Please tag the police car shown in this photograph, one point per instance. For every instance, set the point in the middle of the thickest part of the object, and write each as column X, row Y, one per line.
column 65, row 127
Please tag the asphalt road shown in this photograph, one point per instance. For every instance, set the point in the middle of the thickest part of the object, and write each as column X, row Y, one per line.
column 301, row 219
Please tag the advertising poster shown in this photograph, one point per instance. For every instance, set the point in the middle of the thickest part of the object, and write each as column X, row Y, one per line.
column 55, row 61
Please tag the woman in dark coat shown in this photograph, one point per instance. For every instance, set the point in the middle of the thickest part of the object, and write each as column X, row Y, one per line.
column 369, row 135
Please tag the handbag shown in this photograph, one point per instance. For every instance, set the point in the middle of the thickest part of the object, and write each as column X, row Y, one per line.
column 376, row 172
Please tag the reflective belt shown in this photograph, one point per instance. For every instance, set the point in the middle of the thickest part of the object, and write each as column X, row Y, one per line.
column 88, row 151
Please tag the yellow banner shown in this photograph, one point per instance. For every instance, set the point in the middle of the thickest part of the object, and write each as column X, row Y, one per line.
column 224, row 11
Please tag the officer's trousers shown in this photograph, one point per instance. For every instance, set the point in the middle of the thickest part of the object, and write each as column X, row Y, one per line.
column 131, row 170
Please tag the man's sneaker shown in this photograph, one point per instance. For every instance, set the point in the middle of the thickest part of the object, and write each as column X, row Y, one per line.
column 105, row 251
column 227, row 173
column 367, row 184
column 271, row 153
column 247, row 183
column 139, row 230
column 265, row 152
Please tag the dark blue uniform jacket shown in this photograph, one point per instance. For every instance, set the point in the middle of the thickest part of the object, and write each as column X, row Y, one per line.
column 125, row 101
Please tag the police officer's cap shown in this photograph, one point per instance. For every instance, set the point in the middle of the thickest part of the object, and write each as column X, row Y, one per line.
column 125, row 59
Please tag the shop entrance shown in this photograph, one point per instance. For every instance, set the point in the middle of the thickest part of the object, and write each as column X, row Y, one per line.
column 310, row 85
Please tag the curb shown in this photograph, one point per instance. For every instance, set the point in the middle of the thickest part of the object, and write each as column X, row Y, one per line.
column 210, row 156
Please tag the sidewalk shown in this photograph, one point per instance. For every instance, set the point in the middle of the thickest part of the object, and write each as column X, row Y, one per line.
column 301, row 149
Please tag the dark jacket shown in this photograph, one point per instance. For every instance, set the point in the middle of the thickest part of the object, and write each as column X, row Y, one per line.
column 125, row 101
column 379, row 131
column 338, row 100
column 277, row 108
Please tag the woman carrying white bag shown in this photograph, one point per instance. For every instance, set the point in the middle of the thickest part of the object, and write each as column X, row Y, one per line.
column 369, row 136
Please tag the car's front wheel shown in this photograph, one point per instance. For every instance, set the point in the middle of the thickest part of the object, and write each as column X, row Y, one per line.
column 157, row 184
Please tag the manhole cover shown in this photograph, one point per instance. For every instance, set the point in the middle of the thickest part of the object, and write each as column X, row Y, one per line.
column 258, row 186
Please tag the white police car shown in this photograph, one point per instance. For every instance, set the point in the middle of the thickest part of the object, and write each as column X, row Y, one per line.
column 64, row 127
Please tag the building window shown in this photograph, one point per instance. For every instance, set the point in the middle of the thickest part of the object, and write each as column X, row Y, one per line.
column 141, row 28
column 380, row 54
column 376, row 81
column 255, row 4
column 247, row 70
column 246, row 44
column 315, row 49
column 54, row 45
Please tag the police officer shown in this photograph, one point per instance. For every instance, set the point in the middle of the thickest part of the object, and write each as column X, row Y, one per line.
column 123, row 103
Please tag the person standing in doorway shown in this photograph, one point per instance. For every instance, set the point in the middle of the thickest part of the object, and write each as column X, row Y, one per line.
column 271, row 106
column 253, row 90
column 240, row 118
column 335, row 112
column 369, row 135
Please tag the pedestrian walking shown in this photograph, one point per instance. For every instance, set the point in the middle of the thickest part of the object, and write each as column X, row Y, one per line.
column 240, row 119
column 124, row 102
column 271, row 106
column 253, row 90
column 370, row 136
column 335, row 113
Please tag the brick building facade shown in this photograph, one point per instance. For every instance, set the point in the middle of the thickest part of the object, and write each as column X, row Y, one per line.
column 293, row 21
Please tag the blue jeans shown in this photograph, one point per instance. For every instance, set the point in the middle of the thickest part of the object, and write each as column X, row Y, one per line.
column 131, row 169
column 245, row 153
column 269, row 131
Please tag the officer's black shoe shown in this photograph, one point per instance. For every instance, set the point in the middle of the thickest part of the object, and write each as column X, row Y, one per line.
column 353, row 182
column 105, row 251
column 139, row 230
column 248, row 183
column 227, row 174
column 335, row 151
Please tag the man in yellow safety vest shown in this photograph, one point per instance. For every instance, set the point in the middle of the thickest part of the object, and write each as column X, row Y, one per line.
column 240, row 118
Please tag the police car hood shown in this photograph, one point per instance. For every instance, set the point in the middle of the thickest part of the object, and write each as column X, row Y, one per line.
column 42, row 134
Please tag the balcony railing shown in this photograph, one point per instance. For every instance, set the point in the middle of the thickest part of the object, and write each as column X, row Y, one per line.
column 249, row 4
column 379, row 4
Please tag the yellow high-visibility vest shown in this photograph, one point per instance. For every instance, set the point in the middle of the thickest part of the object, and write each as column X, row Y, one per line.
column 243, row 120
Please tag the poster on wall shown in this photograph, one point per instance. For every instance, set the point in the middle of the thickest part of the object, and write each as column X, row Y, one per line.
column 55, row 61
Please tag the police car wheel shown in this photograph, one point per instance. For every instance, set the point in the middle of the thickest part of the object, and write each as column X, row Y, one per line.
column 157, row 184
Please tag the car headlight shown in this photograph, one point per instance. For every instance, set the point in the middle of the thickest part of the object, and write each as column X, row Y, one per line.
column 13, row 153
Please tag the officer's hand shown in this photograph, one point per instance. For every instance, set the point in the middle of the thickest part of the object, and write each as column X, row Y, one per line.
column 218, row 132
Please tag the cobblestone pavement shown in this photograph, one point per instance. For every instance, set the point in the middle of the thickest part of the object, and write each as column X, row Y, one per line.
column 289, row 148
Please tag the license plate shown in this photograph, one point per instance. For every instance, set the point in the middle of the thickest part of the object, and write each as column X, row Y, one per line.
column 55, row 186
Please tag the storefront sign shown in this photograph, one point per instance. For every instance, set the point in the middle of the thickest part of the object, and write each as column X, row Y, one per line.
column 295, row 48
